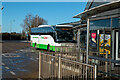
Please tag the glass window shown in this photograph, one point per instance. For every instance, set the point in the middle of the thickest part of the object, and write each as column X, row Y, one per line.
column 104, row 23
column 64, row 35
column 42, row 30
column 115, row 22
column 95, row 4
column 83, row 38
column 98, row 24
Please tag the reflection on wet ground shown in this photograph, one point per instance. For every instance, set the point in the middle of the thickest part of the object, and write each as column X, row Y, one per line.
column 21, row 64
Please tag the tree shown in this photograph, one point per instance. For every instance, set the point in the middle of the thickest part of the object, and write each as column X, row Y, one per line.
column 32, row 21
column 23, row 35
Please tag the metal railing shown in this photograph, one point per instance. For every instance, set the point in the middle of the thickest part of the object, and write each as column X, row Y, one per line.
column 106, row 67
column 53, row 66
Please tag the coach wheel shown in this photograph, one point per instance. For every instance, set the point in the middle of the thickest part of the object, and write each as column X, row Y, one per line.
column 35, row 45
column 48, row 47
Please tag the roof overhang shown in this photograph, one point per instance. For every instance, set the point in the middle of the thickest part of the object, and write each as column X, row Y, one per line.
column 64, row 25
column 80, row 26
column 98, row 9
column 70, row 23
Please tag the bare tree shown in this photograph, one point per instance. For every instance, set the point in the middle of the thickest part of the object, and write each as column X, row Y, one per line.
column 31, row 21
column 23, row 35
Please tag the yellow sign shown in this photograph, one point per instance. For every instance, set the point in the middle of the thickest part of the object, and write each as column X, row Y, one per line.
column 104, row 46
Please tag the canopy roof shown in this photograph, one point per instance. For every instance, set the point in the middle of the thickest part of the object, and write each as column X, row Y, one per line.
column 98, row 9
column 80, row 26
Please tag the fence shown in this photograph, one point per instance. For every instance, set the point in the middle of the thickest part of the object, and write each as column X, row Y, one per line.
column 53, row 66
column 106, row 67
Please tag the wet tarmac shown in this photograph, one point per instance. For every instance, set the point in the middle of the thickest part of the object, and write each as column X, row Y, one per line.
column 20, row 65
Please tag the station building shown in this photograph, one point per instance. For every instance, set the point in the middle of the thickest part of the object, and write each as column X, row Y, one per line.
column 98, row 36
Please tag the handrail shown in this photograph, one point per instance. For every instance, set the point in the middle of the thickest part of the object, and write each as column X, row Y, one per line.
column 104, row 59
column 71, row 61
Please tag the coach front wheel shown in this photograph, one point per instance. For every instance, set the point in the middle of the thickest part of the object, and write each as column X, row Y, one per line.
column 48, row 47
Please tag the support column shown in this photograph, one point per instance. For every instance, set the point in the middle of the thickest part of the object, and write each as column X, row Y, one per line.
column 78, row 38
column 78, row 44
column 113, row 47
column 87, row 50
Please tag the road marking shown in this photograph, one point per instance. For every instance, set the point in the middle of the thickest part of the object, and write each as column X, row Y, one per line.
column 7, row 67
column 3, row 64
column 12, row 73
column 9, row 55
column 3, row 54
column 21, row 50
column 37, row 58
column 31, row 58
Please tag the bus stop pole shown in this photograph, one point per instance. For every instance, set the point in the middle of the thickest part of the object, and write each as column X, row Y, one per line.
column 87, row 52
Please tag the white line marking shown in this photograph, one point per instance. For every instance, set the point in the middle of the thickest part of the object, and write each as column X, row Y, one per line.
column 3, row 64
column 37, row 58
column 33, row 59
column 7, row 67
column 11, row 55
column 12, row 73
column 3, row 54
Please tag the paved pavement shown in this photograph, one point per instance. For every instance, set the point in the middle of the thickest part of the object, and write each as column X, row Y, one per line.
column 12, row 46
column 20, row 65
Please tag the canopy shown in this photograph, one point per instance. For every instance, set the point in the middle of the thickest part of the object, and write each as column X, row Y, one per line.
column 98, row 9
column 80, row 26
